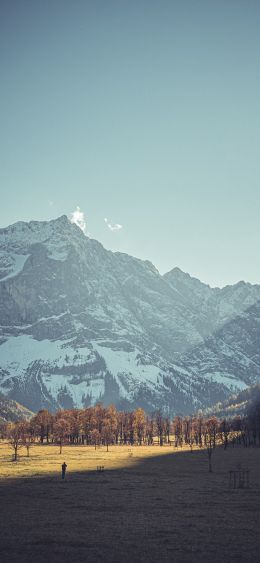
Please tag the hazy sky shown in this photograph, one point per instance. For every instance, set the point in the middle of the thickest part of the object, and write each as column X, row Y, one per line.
column 145, row 113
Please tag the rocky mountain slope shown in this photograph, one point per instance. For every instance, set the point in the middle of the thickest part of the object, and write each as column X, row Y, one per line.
column 11, row 411
column 241, row 404
column 212, row 307
column 81, row 324
column 232, row 352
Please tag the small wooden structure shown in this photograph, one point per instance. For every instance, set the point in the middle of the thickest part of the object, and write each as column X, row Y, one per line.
column 239, row 478
column 100, row 468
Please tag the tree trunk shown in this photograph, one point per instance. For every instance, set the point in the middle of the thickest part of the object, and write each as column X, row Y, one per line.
column 210, row 464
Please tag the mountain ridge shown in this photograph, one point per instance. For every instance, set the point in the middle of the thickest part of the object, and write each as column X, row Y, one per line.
column 83, row 323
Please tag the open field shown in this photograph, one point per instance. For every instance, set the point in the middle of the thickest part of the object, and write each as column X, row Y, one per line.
column 157, row 505
column 47, row 459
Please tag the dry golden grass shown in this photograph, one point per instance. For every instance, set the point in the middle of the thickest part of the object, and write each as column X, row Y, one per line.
column 160, row 505
column 46, row 459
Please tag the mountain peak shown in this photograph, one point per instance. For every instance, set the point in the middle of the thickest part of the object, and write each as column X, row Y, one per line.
column 17, row 242
column 176, row 274
column 38, row 231
column 62, row 220
column 176, row 270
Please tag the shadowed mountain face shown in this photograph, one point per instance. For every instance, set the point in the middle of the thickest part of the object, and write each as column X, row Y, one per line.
column 241, row 404
column 231, row 351
column 212, row 307
column 81, row 324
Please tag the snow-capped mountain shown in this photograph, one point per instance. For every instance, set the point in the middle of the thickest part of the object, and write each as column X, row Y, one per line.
column 81, row 324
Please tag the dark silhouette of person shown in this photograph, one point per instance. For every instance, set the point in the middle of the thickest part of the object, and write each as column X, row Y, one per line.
column 63, row 470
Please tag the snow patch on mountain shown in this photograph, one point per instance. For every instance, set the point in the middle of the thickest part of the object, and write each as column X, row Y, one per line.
column 11, row 265
column 229, row 380
column 130, row 363
column 18, row 352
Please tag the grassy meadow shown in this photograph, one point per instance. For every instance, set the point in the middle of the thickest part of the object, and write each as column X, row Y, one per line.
column 46, row 459
column 150, row 504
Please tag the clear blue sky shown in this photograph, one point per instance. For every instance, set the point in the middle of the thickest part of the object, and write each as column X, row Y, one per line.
column 144, row 112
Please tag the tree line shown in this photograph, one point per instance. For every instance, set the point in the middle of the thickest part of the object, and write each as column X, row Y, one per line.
column 99, row 425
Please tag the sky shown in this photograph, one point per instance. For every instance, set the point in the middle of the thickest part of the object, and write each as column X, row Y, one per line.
column 144, row 114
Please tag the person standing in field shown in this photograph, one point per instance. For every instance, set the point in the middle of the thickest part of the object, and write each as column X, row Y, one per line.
column 63, row 470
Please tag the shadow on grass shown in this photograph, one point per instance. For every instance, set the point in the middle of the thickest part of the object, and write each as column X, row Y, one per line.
column 162, row 508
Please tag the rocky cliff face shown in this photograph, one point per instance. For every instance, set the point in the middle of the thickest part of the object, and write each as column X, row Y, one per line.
column 212, row 307
column 81, row 324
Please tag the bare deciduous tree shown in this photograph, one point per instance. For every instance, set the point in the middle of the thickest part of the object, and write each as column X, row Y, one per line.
column 14, row 436
column 61, row 431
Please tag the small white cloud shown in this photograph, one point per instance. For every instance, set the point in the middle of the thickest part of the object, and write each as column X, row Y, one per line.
column 51, row 203
column 78, row 217
column 113, row 226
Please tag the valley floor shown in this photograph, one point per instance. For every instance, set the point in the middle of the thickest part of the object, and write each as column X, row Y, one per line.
column 151, row 504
